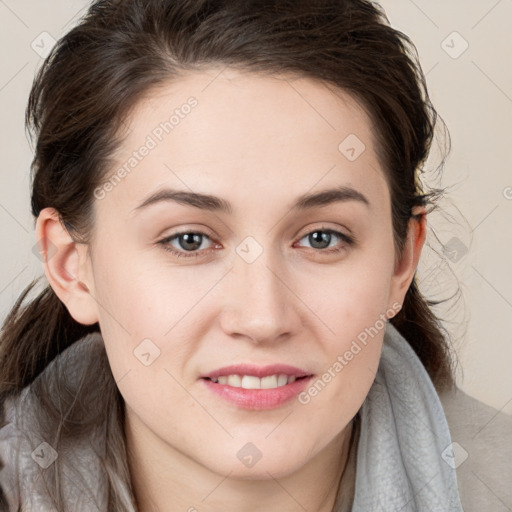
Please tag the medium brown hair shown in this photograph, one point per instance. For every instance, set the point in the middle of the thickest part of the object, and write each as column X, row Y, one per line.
column 117, row 53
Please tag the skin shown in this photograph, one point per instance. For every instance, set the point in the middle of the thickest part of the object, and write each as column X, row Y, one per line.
column 252, row 140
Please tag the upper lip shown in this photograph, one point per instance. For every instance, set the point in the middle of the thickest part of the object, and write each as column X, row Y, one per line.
column 258, row 371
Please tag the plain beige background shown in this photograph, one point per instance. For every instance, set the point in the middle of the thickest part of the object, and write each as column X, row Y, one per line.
column 464, row 48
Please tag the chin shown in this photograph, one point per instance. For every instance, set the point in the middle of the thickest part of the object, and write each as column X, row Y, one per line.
column 262, row 470
column 248, row 462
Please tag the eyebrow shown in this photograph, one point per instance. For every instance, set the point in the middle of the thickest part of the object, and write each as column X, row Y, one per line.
column 217, row 204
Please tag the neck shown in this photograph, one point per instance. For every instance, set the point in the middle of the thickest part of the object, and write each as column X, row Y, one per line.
column 166, row 480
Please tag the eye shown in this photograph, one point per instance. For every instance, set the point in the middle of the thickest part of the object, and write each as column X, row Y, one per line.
column 321, row 239
column 186, row 242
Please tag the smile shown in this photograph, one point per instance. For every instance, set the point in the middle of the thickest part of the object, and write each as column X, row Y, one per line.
column 253, row 382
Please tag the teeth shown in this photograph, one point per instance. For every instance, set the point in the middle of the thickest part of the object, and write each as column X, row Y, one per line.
column 252, row 382
column 234, row 381
column 269, row 382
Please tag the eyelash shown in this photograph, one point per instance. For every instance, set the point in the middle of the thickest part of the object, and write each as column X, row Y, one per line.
column 349, row 241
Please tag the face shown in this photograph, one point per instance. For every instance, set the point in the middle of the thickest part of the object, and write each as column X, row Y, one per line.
column 268, row 276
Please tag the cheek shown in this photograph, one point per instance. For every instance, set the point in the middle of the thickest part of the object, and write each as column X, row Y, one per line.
column 351, row 295
column 147, row 314
column 352, row 302
column 352, row 356
column 135, row 297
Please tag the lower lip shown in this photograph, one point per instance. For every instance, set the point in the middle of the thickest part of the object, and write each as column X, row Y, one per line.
column 258, row 399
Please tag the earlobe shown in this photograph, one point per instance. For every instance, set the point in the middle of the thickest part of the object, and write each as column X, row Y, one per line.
column 406, row 266
column 66, row 267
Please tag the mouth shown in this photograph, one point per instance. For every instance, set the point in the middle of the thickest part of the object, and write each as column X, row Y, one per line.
column 252, row 382
column 257, row 388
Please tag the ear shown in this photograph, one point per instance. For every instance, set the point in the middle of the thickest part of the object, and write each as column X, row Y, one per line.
column 66, row 265
column 405, row 266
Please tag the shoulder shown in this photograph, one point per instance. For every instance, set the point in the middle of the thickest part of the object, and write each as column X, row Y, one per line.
column 10, row 440
column 29, row 450
column 482, row 446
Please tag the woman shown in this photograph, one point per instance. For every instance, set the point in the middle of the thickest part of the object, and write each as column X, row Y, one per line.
column 230, row 217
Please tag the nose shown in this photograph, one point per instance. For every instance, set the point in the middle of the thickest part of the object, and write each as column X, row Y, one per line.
column 258, row 301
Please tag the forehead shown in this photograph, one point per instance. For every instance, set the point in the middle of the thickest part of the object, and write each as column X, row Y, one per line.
column 228, row 132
